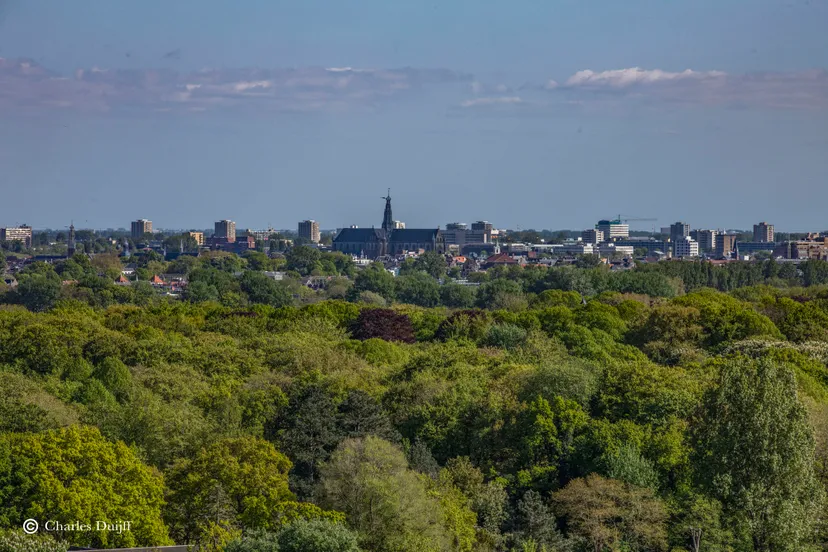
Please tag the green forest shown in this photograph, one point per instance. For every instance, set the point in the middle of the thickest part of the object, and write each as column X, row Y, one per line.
column 678, row 406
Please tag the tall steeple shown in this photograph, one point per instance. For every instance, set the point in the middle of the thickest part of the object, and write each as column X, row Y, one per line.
column 387, row 219
column 70, row 250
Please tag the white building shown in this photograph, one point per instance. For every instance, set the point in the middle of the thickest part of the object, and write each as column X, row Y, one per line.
column 687, row 247
column 613, row 229
column 608, row 250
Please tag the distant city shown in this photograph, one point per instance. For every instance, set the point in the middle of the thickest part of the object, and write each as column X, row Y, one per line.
column 607, row 239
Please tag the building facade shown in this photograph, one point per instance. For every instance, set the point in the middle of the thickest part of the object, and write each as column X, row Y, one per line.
column 763, row 232
column 225, row 230
column 679, row 231
column 725, row 245
column 198, row 237
column 592, row 236
column 613, row 229
column 309, row 230
column 803, row 249
column 387, row 240
column 139, row 228
column 685, row 248
column 17, row 233
column 706, row 240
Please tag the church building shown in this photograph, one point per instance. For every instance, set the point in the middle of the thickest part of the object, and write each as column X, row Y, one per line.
column 387, row 240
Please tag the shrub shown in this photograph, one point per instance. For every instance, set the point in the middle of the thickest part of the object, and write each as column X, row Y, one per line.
column 383, row 324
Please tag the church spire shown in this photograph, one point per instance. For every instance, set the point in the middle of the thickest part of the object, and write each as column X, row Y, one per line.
column 70, row 249
column 387, row 219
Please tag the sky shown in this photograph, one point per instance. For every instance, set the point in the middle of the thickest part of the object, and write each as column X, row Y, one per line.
column 531, row 113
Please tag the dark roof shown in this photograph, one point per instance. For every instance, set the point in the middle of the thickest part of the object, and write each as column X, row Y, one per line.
column 414, row 235
column 359, row 235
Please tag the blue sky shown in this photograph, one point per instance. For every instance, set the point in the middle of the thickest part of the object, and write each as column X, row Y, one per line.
column 190, row 111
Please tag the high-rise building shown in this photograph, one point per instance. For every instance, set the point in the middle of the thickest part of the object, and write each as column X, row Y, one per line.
column 763, row 232
column 725, row 244
column 482, row 231
column 706, row 239
column 613, row 229
column 309, row 230
column 456, row 233
column 198, row 237
column 141, row 227
column 17, row 233
column 685, row 247
column 399, row 225
column 679, row 231
column 592, row 236
column 225, row 230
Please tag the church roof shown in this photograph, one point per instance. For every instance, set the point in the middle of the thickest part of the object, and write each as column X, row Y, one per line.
column 359, row 235
column 414, row 235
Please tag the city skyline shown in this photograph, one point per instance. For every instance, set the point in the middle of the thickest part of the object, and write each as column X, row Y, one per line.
column 533, row 114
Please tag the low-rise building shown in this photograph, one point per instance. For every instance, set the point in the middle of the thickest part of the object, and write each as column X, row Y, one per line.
column 610, row 250
column 803, row 249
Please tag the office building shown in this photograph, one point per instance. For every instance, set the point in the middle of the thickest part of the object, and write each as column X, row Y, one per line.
column 653, row 247
column 456, row 233
column 483, row 232
column 399, row 225
column 816, row 248
column 613, row 250
column 706, row 240
column 763, row 232
column 17, row 233
column 725, row 245
column 749, row 248
column 198, row 237
column 685, row 248
column 140, row 227
column 225, row 230
column 613, row 229
column 592, row 236
column 679, row 231
column 309, row 230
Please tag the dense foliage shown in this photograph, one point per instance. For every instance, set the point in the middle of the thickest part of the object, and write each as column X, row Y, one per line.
column 560, row 409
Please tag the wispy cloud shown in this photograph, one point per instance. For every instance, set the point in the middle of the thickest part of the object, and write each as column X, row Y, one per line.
column 492, row 101
column 802, row 89
column 775, row 90
column 24, row 84
column 623, row 78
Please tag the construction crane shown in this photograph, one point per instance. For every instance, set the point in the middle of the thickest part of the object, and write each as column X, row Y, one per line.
column 627, row 218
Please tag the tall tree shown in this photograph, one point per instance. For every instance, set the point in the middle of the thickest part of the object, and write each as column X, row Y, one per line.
column 755, row 451
column 386, row 502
